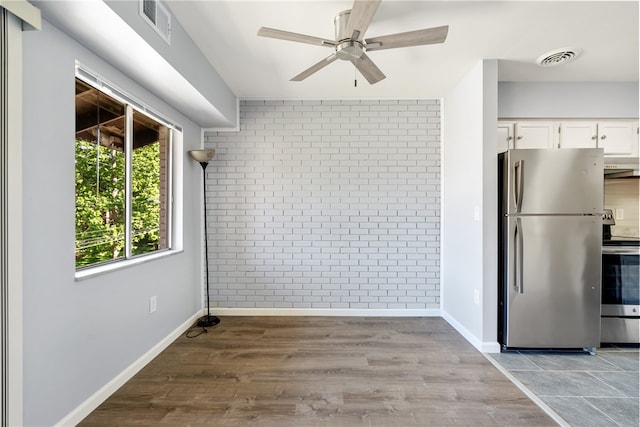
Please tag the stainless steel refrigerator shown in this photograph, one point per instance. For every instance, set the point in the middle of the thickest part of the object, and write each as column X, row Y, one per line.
column 550, row 235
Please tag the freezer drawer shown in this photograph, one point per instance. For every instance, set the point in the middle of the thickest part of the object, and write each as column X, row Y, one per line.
column 552, row 282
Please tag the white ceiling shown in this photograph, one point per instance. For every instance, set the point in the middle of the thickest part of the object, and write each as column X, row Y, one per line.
column 514, row 32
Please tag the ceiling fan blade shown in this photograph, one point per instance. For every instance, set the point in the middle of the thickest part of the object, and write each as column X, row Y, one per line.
column 315, row 67
column 410, row 38
column 360, row 17
column 368, row 69
column 294, row 37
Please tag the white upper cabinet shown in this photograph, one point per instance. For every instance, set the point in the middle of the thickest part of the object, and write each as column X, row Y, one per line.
column 618, row 138
column 505, row 136
column 535, row 134
column 578, row 135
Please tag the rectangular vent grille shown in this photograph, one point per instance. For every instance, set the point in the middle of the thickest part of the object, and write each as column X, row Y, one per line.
column 158, row 17
column 149, row 10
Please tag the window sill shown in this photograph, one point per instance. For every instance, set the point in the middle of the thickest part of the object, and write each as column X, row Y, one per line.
column 119, row 265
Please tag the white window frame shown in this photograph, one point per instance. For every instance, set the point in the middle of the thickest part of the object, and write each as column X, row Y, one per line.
column 174, row 236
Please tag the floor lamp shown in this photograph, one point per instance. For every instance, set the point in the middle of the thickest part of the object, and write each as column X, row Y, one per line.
column 203, row 157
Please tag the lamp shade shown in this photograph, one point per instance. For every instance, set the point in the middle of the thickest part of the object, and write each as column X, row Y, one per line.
column 202, row 156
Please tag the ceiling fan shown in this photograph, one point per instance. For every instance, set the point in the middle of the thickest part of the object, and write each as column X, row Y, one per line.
column 350, row 44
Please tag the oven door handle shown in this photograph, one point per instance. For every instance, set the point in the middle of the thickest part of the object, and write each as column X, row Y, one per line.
column 621, row 250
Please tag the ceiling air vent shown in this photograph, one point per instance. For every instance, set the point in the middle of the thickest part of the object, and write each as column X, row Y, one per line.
column 558, row 57
column 158, row 17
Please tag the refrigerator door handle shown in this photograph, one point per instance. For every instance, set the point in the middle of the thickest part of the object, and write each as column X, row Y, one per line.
column 518, row 184
column 519, row 261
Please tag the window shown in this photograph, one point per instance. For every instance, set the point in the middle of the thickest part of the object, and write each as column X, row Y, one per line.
column 123, row 178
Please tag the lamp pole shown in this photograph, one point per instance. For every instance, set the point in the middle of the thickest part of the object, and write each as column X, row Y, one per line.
column 203, row 157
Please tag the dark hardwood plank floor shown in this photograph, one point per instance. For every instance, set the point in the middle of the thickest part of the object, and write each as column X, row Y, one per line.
column 318, row 371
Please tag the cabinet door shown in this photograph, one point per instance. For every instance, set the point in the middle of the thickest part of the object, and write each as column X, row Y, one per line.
column 618, row 138
column 535, row 135
column 578, row 135
column 505, row 137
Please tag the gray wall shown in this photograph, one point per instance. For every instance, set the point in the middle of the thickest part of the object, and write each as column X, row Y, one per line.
column 184, row 56
column 327, row 204
column 568, row 100
column 469, row 206
column 78, row 335
column 116, row 32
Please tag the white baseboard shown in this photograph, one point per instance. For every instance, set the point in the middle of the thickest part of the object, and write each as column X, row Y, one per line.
column 346, row 312
column 482, row 346
column 95, row 400
column 490, row 347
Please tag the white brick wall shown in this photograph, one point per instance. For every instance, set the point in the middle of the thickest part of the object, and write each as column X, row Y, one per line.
column 326, row 204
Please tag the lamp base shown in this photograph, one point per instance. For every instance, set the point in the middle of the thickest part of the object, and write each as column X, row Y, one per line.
column 208, row 321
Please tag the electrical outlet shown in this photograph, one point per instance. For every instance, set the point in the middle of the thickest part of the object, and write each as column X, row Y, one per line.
column 153, row 304
column 619, row 213
column 476, row 296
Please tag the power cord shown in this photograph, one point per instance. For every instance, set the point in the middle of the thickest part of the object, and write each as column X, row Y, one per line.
column 199, row 330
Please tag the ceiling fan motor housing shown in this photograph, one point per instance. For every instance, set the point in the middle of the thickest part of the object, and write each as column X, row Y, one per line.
column 347, row 48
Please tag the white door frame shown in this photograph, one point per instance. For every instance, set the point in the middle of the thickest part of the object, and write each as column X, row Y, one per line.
column 16, row 16
column 11, row 227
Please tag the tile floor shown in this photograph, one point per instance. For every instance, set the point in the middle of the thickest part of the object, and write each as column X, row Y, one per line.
column 584, row 390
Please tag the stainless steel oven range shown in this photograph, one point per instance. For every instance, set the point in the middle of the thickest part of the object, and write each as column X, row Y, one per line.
column 620, row 321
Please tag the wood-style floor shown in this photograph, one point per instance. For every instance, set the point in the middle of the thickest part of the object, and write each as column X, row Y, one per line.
column 319, row 371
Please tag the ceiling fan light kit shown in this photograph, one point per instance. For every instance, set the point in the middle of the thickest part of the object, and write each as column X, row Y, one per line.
column 350, row 44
